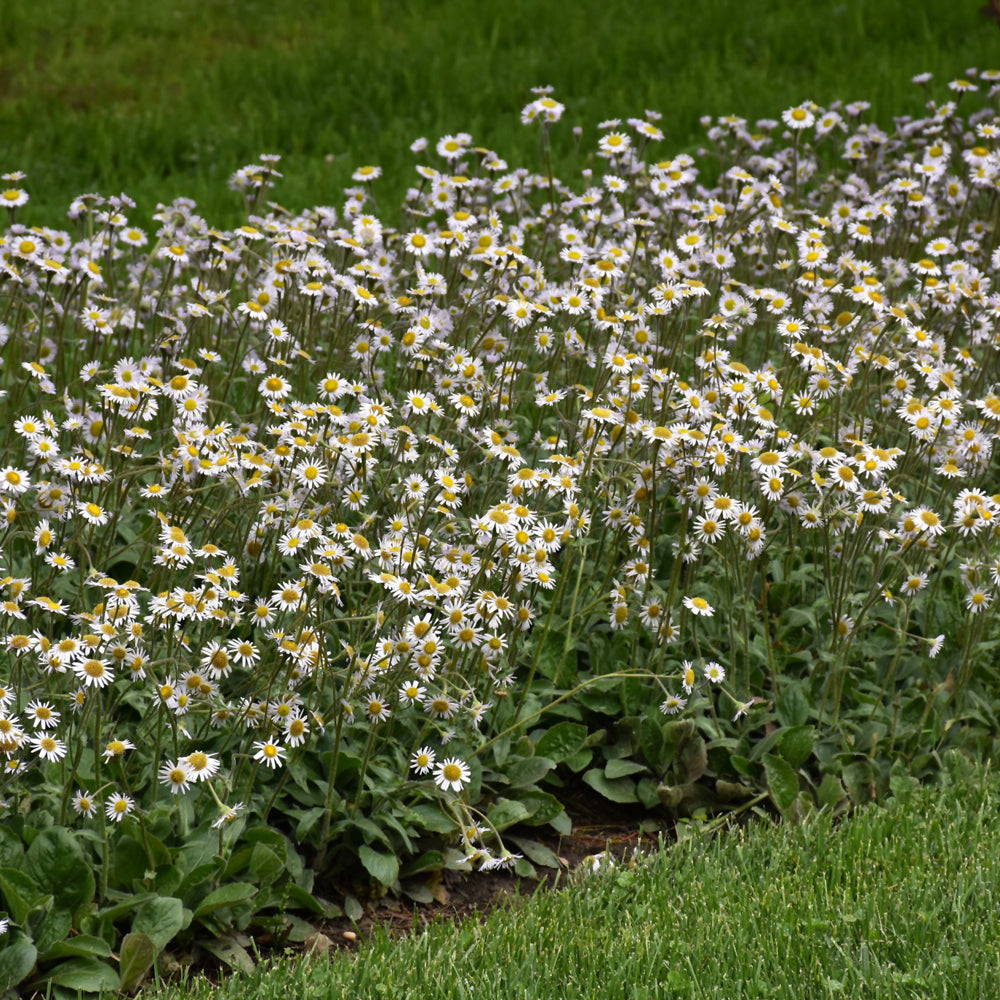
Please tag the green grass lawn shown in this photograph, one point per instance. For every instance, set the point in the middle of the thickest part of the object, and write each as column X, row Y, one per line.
column 163, row 100
column 892, row 902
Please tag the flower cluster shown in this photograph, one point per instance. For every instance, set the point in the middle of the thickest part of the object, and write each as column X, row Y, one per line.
column 315, row 476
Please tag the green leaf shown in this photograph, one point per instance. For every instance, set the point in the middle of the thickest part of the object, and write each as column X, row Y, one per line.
column 506, row 812
column 646, row 792
column 126, row 905
column 20, row 894
column 651, row 740
column 419, row 892
column 159, row 851
column 17, row 959
column 792, row 707
column 11, row 848
column 202, row 849
column 88, row 975
column 297, row 929
column 525, row 869
column 623, row 767
column 782, row 781
column 619, row 790
column 542, row 807
column 429, row 861
column 720, row 752
column 198, row 876
column 162, row 918
column 605, row 702
column 381, row 865
column 830, row 792
column 226, row 895
column 803, row 617
column 766, row 744
column 55, row 861
column 54, row 927
column 301, row 899
column 353, row 908
column 623, row 746
column 266, row 835
column 631, row 689
column 901, row 784
column 578, row 761
column 537, row 852
column 732, row 791
column 501, row 750
column 230, row 953
column 308, row 820
column 796, row 745
column 138, row 952
column 130, row 862
column 529, row 770
column 265, row 865
column 684, row 798
column 562, row 824
column 676, row 734
column 692, row 759
column 167, row 880
column 759, row 652
column 562, row 741
column 403, row 826
column 867, row 736
column 557, row 662
column 370, row 830
column 858, row 777
column 432, row 818
column 239, row 861
column 82, row 946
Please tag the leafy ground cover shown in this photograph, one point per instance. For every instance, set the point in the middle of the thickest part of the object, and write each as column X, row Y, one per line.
column 336, row 551
column 895, row 902
column 602, row 833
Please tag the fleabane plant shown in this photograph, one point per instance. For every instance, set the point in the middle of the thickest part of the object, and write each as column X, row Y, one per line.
column 359, row 530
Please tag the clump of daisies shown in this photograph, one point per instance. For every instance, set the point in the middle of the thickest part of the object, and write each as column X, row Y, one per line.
column 308, row 495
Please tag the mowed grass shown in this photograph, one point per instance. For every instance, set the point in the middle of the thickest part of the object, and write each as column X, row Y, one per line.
column 896, row 901
column 167, row 100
